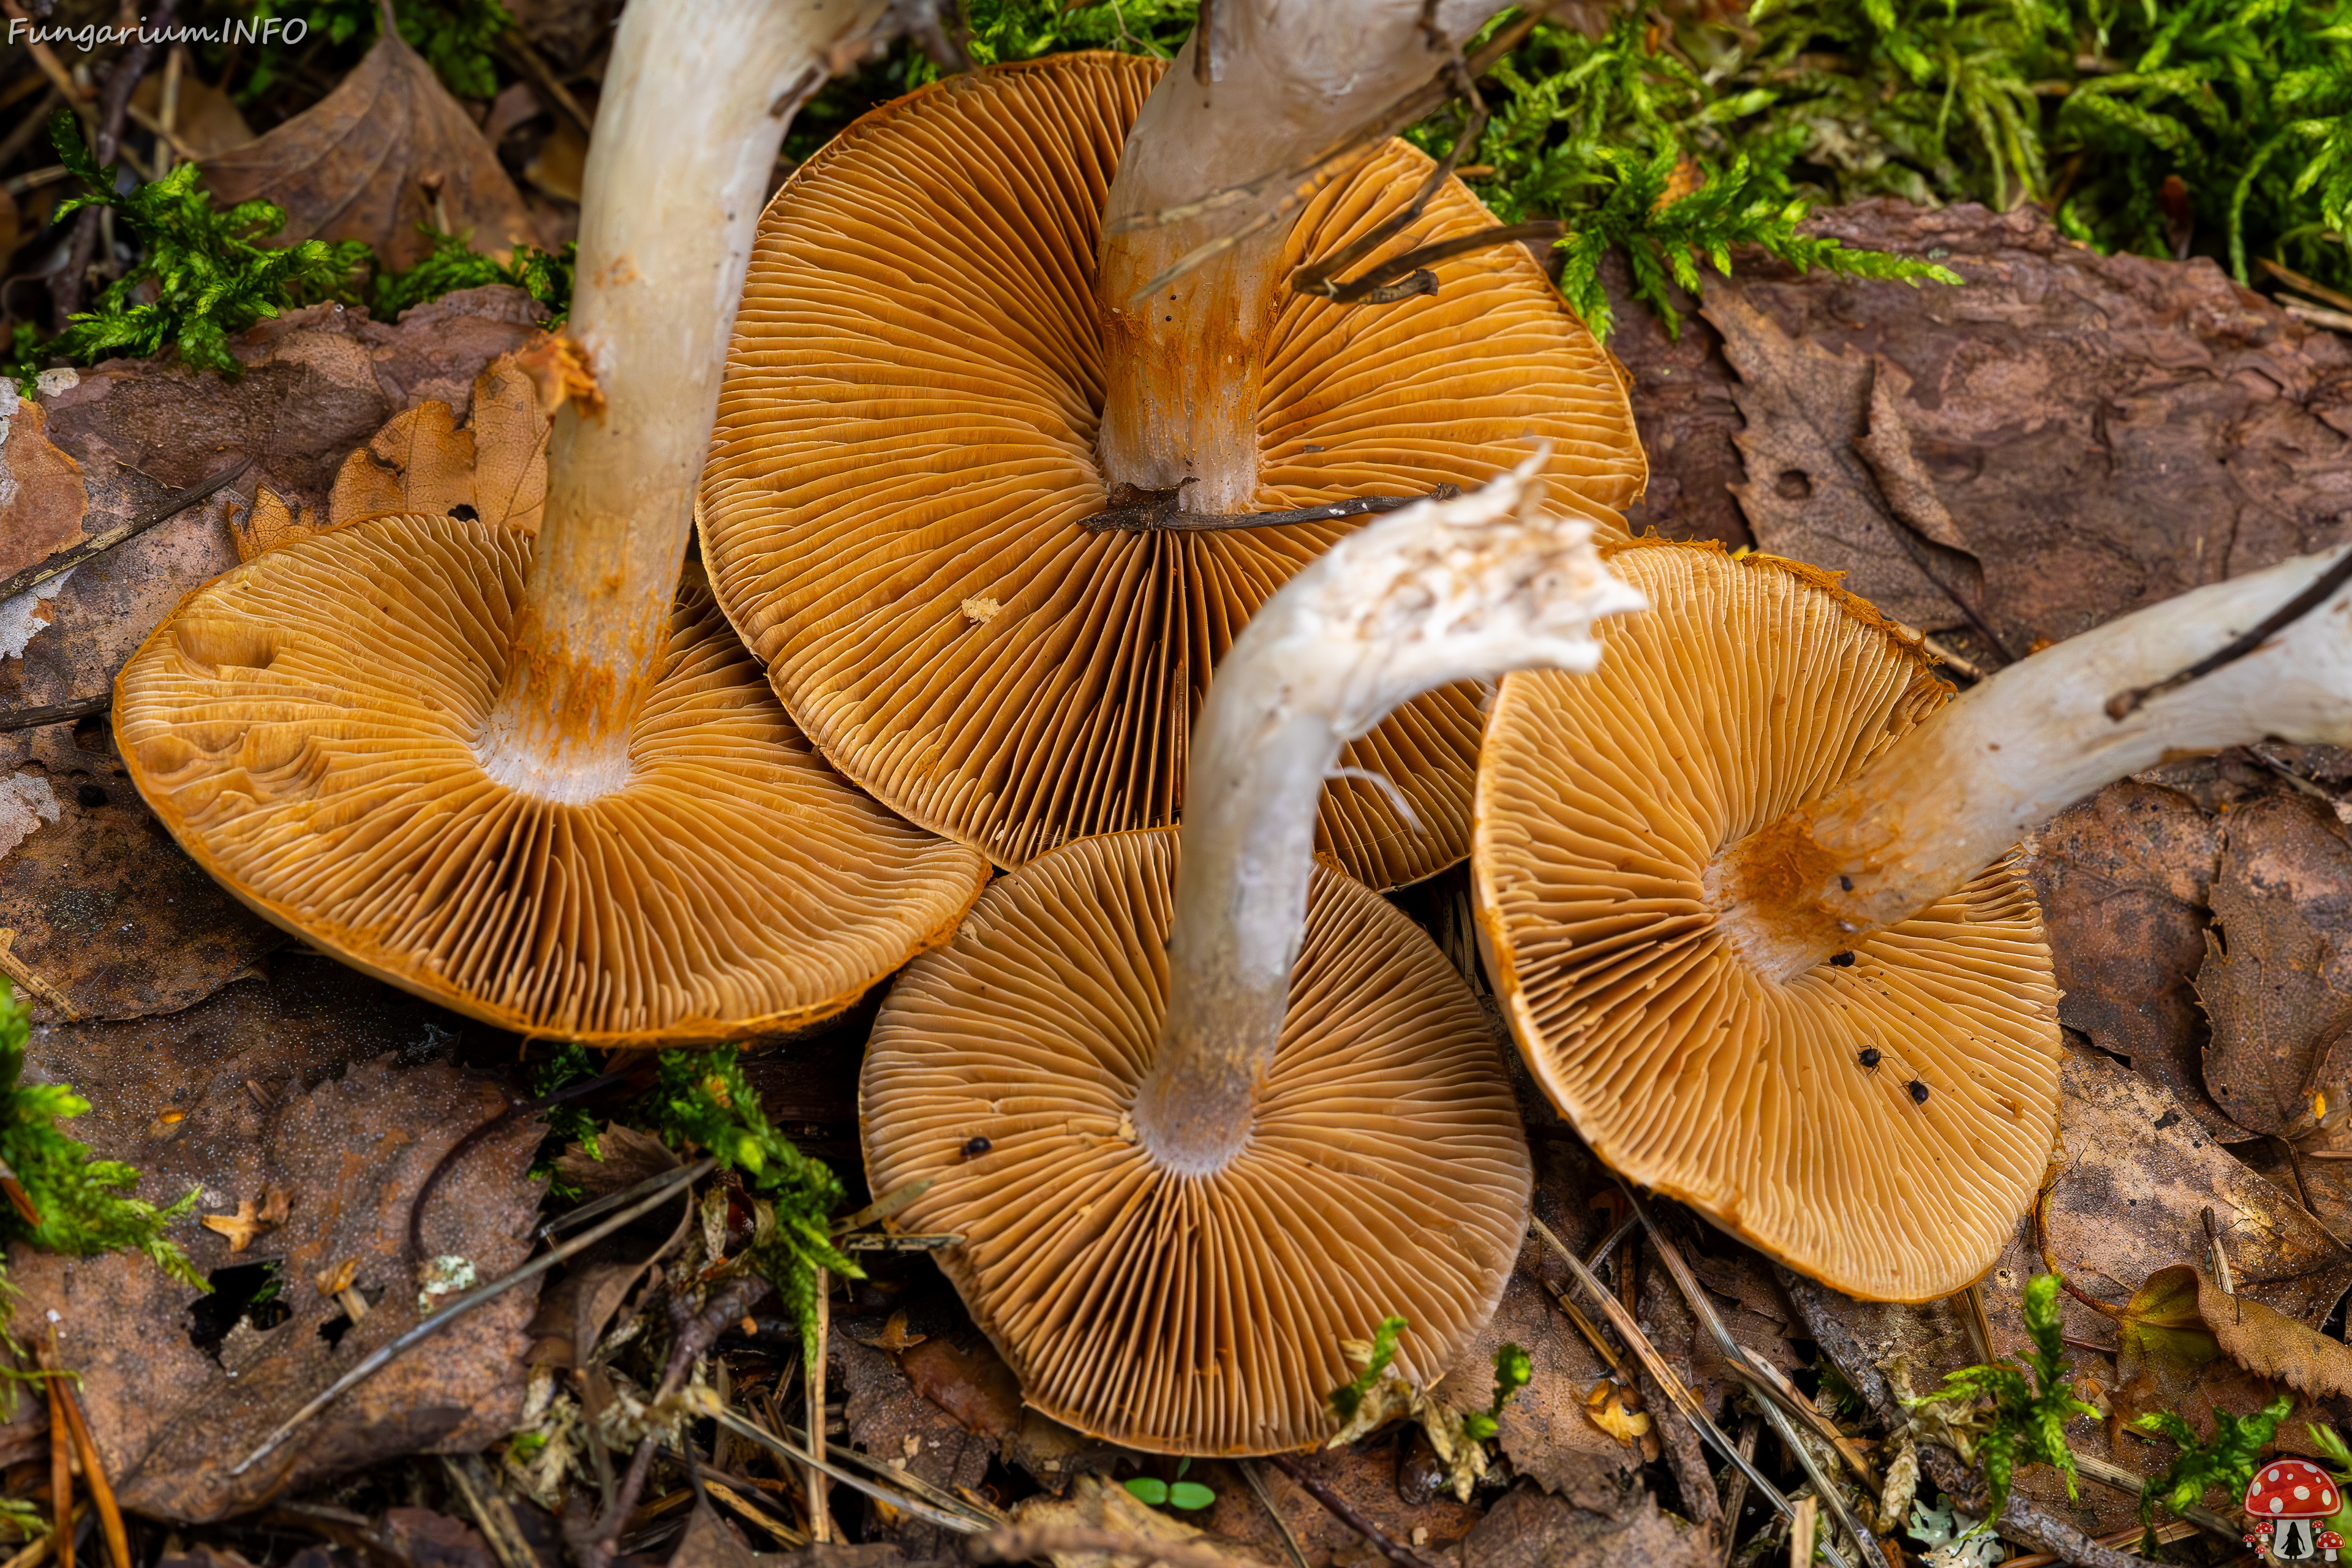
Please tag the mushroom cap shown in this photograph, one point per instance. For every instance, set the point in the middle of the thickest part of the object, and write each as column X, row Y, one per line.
column 1752, row 687
column 2291, row 1489
column 1388, row 1171
column 305, row 726
column 906, row 452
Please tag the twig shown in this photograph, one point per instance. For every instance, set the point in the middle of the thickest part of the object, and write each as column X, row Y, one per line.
column 93, row 1476
column 2165, row 1533
column 2221, row 1257
column 1972, row 1315
column 2317, row 315
column 1751, row 1427
column 113, row 106
column 1780, row 1401
column 1022, row 1543
column 883, row 1208
column 1132, row 509
column 60, row 1476
column 542, row 77
column 2297, row 281
column 1967, row 668
column 814, row 1355
column 1663, row 1376
column 2123, row 704
column 1347, row 1513
column 2109, row 1474
column 14, row 718
column 928, row 1511
column 35, row 122
column 172, row 506
column 384, row 1357
column 1802, row 1529
column 1264, row 1495
column 489, row 1507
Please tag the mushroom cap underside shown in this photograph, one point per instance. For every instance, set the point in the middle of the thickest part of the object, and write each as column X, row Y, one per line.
column 906, row 453
column 1387, row 1171
column 306, row 727
column 1751, row 688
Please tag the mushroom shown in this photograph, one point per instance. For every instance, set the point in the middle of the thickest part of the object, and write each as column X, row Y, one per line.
column 543, row 785
column 1750, row 900
column 2291, row 1495
column 978, row 506
column 1197, row 1128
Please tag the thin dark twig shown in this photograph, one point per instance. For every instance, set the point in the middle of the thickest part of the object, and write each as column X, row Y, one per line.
column 1205, row 31
column 1316, row 276
column 1379, row 286
column 1155, row 511
column 1347, row 1513
column 54, row 712
column 516, row 1109
column 2123, row 704
column 380, row 1359
column 114, row 108
column 172, row 506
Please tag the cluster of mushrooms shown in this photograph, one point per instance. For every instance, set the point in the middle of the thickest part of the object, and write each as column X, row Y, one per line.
column 978, row 528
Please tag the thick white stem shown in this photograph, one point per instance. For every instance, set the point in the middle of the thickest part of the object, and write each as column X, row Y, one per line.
column 695, row 101
column 1459, row 589
column 1289, row 81
column 1951, row 797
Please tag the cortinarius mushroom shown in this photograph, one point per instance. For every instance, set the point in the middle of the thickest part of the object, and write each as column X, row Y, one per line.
column 1749, row 896
column 1229, row 1126
column 943, row 374
column 541, row 786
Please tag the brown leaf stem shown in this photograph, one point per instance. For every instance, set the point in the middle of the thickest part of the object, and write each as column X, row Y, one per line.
column 2050, row 1260
column 1347, row 1513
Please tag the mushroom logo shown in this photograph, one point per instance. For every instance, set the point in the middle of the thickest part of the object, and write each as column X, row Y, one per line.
column 2287, row 1500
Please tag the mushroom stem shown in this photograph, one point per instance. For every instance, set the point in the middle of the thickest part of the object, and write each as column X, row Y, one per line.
column 1951, row 797
column 1181, row 369
column 1462, row 589
column 696, row 102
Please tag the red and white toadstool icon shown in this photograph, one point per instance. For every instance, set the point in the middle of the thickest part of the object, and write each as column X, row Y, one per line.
column 2291, row 1495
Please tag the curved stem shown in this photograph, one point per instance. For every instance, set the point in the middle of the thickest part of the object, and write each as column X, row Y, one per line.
column 1181, row 368
column 696, row 102
column 1950, row 797
column 1462, row 589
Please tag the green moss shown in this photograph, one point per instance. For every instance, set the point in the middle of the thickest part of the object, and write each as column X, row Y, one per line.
column 2022, row 1407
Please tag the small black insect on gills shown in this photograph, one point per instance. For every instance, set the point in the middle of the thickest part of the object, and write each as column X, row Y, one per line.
column 1847, row 883
column 975, row 1147
column 1918, row 1091
column 1841, row 960
column 1869, row 1057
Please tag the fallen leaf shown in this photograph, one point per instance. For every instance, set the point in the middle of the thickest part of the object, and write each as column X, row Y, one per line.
column 560, row 163
column 1096, row 1504
column 709, row 1543
column 2277, row 975
column 206, row 120
column 2189, row 1307
column 41, row 497
column 267, row 523
column 974, row 1386
column 171, row 1421
column 1810, row 494
column 629, row 1157
column 494, row 470
column 107, row 916
column 387, row 151
column 895, row 1338
column 1530, row 1528
column 2123, row 879
column 884, row 1410
column 429, row 1539
column 2114, row 429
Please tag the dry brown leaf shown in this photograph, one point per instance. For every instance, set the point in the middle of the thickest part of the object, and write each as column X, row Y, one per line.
column 388, row 150
column 1617, row 1412
column 562, row 161
column 1527, row 1529
column 207, row 120
column 41, row 497
column 628, row 1157
column 976, row 1387
column 267, row 523
column 2267, row 1343
column 709, row 1543
column 2277, row 977
column 885, row 1413
column 169, row 1420
column 2123, row 879
column 494, row 468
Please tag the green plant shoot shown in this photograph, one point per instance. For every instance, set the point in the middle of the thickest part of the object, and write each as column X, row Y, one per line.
column 2024, row 1405
column 2228, row 1462
column 1513, row 1369
column 1348, row 1397
column 453, row 264
column 701, row 1099
column 203, row 274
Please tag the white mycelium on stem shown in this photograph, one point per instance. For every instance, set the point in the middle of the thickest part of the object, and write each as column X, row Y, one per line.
column 1951, row 796
column 1444, row 591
